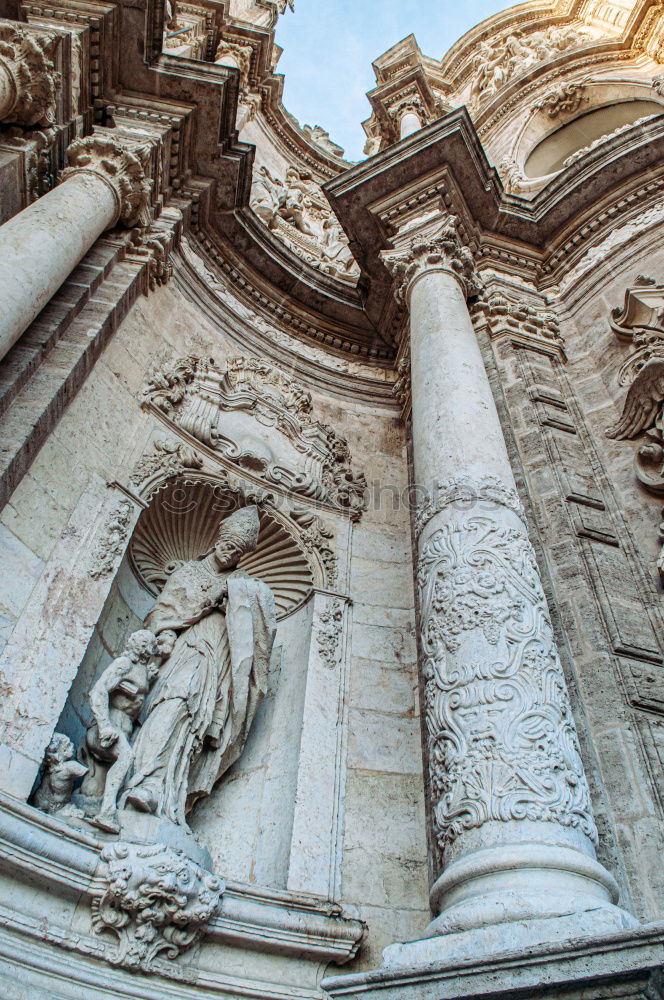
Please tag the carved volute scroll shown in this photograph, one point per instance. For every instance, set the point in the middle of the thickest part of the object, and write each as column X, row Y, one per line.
column 229, row 409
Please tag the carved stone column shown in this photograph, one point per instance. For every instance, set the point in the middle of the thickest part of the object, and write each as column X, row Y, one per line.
column 104, row 185
column 512, row 820
column 28, row 79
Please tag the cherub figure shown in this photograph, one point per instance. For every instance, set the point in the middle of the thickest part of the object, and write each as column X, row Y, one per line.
column 116, row 701
column 61, row 771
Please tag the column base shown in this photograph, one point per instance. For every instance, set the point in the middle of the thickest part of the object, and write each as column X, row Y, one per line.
column 573, row 964
column 513, row 936
column 520, row 881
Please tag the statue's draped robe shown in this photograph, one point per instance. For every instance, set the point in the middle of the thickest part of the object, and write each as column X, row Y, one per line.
column 198, row 713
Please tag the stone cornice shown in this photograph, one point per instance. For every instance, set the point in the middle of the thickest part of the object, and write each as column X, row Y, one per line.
column 443, row 166
column 33, row 844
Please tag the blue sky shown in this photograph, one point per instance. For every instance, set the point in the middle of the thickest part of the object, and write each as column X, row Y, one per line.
column 329, row 46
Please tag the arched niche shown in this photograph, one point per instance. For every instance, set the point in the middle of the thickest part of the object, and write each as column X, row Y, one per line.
column 550, row 154
column 247, row 820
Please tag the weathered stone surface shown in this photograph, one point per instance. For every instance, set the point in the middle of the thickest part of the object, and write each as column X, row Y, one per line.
column 474, row 331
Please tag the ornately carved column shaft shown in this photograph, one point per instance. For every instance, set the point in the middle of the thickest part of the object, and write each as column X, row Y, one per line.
column 511, row 808
column 103, row 185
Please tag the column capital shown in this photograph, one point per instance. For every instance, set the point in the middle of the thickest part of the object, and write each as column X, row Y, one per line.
column 31, row 77
column 120, row 167
column 433, row 249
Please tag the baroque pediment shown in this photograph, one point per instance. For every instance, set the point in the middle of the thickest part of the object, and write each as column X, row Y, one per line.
column 260, row 420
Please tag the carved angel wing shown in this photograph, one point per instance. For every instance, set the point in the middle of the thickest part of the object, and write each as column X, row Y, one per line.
column 643, row 401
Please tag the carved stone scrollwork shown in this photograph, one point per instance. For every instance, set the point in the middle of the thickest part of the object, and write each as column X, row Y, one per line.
column 502, row 740
column 467, row 494
column 169, row 458
column 564, row 99
column 440, row 248
column 222, row 407
column 154, row 899
column 328, row 635
column 121, row 167
column 28, row 79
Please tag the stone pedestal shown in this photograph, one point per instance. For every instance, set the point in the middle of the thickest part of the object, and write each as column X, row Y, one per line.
column 103, row 185
column 513, row 825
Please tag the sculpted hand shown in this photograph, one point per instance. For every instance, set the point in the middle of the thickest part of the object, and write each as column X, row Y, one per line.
column 108, row 736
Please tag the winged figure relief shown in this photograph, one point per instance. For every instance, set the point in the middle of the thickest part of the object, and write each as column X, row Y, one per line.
column 644, row 412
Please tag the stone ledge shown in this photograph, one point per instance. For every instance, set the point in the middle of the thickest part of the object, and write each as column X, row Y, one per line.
column 41, row 849
column 626, row 965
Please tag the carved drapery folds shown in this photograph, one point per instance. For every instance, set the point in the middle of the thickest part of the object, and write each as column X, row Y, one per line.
column 155, row 900
column 222, row 407
column 502, row 742
column 28, row 79
column 498, row 63
column 640, row 322
column 296, row 209
column 438, row 248
column 122, row 168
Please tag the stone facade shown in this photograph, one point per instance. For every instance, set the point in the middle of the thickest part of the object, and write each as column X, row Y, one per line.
column 330, row 540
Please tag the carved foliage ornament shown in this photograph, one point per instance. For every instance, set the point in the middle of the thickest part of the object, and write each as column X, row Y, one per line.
column 502, row 742
column 25, row 57
column 120, row 166
column 111, row 544
column 221, row 407
column 154, row 899
column 440, row 249
column 467, row 495
column 523, row 322
column 564, row 99
column 328, row 635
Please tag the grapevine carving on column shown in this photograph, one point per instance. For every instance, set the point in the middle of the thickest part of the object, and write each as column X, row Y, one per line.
column 502, row 740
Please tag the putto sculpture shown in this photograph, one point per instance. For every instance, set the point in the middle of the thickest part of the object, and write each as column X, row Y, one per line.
column 116, row 701
column 296, row 209
column 60, row 772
